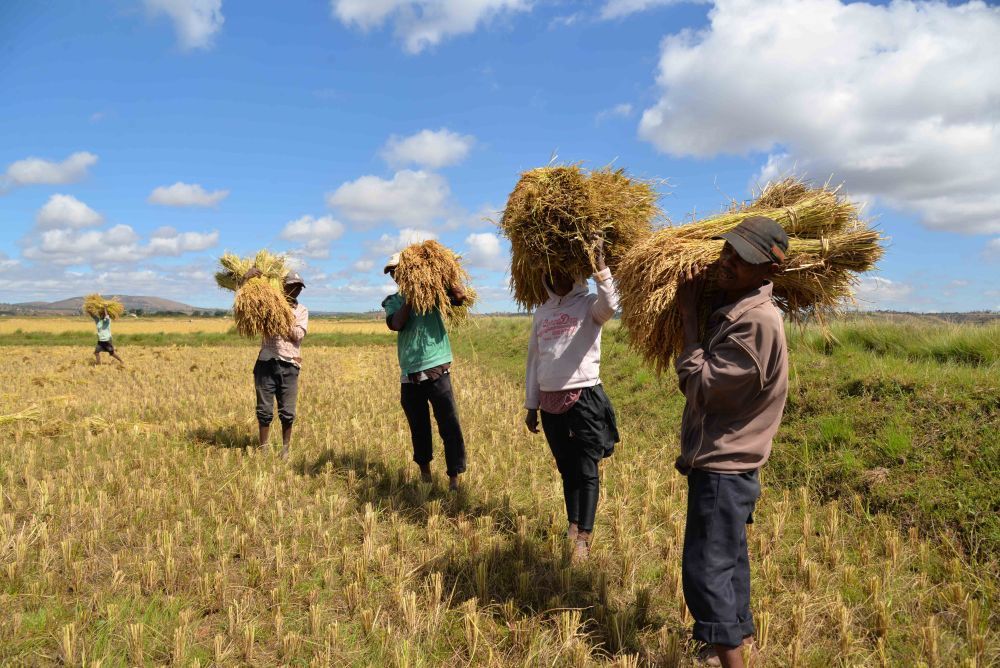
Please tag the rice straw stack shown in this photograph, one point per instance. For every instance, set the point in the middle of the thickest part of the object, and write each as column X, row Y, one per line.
column 829, row 244
column 425, row 274
column 94, row 305
column 259, row 308
column 553, row 215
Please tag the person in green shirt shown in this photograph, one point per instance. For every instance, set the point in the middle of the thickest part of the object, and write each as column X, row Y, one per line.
column 104, row 344
column 424, row 353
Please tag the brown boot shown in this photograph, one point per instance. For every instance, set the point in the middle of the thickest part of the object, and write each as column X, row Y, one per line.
column 425, row 473
column 581, row 549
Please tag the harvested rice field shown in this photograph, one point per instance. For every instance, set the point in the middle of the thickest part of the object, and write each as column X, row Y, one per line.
column 172, row 325
column 139, row 524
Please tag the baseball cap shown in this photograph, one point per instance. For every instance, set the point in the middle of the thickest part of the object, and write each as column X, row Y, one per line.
column 293, row 278
column 392, row 263
column 758, row 239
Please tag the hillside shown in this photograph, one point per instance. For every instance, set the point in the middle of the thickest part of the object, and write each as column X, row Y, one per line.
column 72, row 305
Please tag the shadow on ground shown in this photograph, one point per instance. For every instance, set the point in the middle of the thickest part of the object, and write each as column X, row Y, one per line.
column 226, row 436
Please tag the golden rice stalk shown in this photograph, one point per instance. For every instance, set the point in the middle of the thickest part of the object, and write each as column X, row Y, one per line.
column 30, row 414
column 829, row 245
column 261, row 310
column 553, row 215
column 234, row 268
column 426, row 273
column 94, row 305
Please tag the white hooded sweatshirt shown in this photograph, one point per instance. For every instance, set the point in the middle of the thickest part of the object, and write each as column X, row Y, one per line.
column 564, row 352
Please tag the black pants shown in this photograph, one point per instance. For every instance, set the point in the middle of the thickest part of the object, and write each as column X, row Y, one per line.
column 414, row 397
column 579, row 439
column 716, row 566
column 274, row 379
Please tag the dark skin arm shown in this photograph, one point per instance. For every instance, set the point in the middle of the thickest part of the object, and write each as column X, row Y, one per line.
column 688, row 297
column 397, row 321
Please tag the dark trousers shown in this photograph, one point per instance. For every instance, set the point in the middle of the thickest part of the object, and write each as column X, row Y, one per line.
column 716, row 566
column 274, row 379
column 579, row 439
column 414, row 397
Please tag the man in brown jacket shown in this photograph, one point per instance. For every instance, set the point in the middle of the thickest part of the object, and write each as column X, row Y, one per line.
column 735, row 380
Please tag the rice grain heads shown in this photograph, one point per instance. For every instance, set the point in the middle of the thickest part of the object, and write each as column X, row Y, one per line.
column 260, row 307
column 94, row 305
column 425, row 275
column 829, row 244
column 553, row 215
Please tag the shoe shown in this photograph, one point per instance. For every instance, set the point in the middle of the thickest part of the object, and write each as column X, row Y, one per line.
column 453, row 483
column 425, row 473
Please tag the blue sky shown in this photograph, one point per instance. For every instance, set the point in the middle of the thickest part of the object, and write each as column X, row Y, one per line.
column 142, row 138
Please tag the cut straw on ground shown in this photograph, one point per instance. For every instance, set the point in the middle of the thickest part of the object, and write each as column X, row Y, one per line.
column 94, row 305
column 554, row 214
column 829, row 245
column 426, row 274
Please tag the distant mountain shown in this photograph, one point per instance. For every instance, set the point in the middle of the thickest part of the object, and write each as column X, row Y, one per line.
column 132, row 303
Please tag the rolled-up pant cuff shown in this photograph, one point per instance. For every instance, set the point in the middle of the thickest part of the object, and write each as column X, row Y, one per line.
column 728, row 634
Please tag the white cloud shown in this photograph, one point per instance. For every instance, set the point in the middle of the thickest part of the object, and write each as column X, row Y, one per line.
column 616, row 9
column 428, row 148
column 387, row 244
column 115, row 245
column 308, row 228
column 484, row 252
column 875, row 292
column 898, row 101
column 992, row 251
column 168, row 241
column 623, row 110
column 37, row 171
column 410, row 198
column 195, row 21
column 66, row 211
column 186, row 194
column 420, row 24
column 364, row 265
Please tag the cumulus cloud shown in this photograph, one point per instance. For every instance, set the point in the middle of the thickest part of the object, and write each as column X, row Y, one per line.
column 363, row 265
column 387, row 244
column 38, row 171
column 899, row 101
column 186, row 194
column 66, row 211
column 196, row 22
column 420, row 24
column 308, row 228
column 168, row 241
column 115, row 245
column 484, row 252
column 409, row 199
column 616, row 9
column 428, row 148
column 875, row 292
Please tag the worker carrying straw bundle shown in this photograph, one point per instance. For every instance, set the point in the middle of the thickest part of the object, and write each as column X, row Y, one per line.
column 553, row 216
column 828, row 246
column 103, row 311
column 431, row 283
column 260, row 309
column 265, row 290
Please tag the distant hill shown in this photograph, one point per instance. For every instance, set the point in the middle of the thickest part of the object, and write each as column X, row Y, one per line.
column 133, row 303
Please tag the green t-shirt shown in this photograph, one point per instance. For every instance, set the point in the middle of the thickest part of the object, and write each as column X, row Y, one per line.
column 103, row 328
column 423, row 342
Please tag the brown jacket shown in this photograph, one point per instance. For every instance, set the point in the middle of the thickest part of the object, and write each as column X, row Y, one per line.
column 735, row 383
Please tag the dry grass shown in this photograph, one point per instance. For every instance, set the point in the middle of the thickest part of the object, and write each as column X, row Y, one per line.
column 426, row 273
column 829, row 246
column 261, row 310
column 553, row 215
column 94, row 305
column 154, row 535
column 176, row 325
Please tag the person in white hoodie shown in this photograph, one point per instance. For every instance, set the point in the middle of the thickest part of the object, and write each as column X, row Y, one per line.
column 563, row 381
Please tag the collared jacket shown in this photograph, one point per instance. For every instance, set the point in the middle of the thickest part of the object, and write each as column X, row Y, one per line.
column 564, row 352
column 735, row 382
column 287, row 348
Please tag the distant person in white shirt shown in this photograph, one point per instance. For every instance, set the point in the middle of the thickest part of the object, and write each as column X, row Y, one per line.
column 563, row 380
column 276, row 373
column 104, row 344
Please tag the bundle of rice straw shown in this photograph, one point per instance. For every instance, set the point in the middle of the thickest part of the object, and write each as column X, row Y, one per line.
column 829, row 244
column 426, row 271
column 94, row 305
column 553, row 215
column 260, row 307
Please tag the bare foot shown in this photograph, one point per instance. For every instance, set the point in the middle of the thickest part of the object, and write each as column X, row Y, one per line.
column 425, row 473
column 453, row 483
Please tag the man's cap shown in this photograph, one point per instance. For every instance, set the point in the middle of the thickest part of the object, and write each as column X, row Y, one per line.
column 758, row 239
column 293, row 278
column 392, row 263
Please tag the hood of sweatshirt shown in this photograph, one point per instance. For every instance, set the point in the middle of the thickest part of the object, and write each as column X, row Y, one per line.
column 580, row 287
